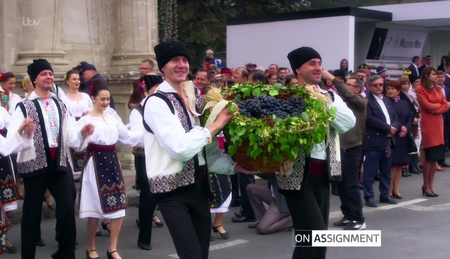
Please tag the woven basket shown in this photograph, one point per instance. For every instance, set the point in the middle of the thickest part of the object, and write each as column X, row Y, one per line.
column 256, row 165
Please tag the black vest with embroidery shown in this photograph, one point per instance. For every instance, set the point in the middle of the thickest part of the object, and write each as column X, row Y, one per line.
column 32, row 109
column 190, row 174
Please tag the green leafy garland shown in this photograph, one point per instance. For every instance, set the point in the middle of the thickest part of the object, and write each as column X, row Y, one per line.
column 273, row 137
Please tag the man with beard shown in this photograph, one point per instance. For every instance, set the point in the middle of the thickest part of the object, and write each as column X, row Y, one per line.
column 307, row 188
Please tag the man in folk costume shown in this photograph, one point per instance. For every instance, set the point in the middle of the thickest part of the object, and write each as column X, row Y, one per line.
column 45, row 164
column 175, row 157
column 306, row 186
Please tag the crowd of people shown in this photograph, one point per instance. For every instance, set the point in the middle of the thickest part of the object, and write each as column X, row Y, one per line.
column 384, row 129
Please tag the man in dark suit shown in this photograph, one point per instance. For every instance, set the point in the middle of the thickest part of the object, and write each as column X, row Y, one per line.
column 414, row 67
column 381, row 125
column 427, row 64
column 446, row 116
column 447, row 77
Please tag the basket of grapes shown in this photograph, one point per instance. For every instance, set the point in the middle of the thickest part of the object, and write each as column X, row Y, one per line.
column 273, row 123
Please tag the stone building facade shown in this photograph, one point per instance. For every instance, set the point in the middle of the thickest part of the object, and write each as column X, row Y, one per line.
column 114, row 35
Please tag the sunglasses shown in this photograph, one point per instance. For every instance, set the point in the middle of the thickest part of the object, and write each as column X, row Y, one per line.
column 377, row 85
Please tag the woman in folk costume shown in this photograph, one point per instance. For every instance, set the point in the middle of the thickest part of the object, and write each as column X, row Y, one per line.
column 306, row 183
column 147, row 202
column 78, row 104
column 102, row 185
column 177, row 164
column 220, row 185
column 8, row 190
column 13, row 144
column 8, row 83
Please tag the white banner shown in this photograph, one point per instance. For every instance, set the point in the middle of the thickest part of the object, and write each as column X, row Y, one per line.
column 403, row 44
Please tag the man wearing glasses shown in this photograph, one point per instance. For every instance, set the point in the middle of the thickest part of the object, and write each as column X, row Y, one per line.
column 136, row 96
column 381, row 125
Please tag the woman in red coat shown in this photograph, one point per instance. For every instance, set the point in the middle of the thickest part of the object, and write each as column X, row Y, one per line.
column 432, row 105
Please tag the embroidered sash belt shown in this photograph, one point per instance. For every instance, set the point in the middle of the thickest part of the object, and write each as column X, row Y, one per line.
column 8, row 191
column 110, row 183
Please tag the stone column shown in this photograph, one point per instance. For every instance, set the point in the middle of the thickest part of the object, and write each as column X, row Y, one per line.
column 40, row 35
column 136, row 33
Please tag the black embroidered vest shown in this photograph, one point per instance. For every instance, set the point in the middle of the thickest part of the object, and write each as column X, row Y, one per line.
column 190, row 173
column 32, row 109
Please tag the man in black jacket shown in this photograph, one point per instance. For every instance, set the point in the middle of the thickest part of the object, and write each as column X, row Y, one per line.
column 381, row 124
column 414, row 67
column 446, row 115
column 89, row 74
column 351, row 152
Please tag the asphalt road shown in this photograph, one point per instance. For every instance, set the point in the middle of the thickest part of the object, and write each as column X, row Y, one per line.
column 416, row 228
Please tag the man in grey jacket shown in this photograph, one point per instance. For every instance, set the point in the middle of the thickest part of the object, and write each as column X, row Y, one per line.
column 351, row 142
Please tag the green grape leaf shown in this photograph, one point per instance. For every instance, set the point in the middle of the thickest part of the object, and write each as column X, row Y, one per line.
column 246, row 92
column 333, row 111
column 235, row 138
column 256, row 92
column 273, row 92
column 241, row 131
column 251, row 137
column 270, row 147
column 230, row 131
column 232, row 109
column 232, row 150
column 285, row 147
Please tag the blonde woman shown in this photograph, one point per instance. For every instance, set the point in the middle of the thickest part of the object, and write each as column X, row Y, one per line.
column 27, row 86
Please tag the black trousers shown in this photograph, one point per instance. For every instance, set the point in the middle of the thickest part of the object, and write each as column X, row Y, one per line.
column 235, row 186
column 348, row 188
column 188, row 219
column 62, row 187
column 244, row 180
column 446, row 138
column 309, row 211
column 147, row 202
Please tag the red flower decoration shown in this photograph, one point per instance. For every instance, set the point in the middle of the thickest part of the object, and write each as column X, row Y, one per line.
column 91, row 88
column 2, row 76
column 142, row 85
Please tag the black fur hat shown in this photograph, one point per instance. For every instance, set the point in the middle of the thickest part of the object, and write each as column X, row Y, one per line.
column 300, row 56
column 165, row 51
column 37, row 67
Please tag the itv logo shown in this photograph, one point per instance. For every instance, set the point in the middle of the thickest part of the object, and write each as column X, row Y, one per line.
column 29, row 22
